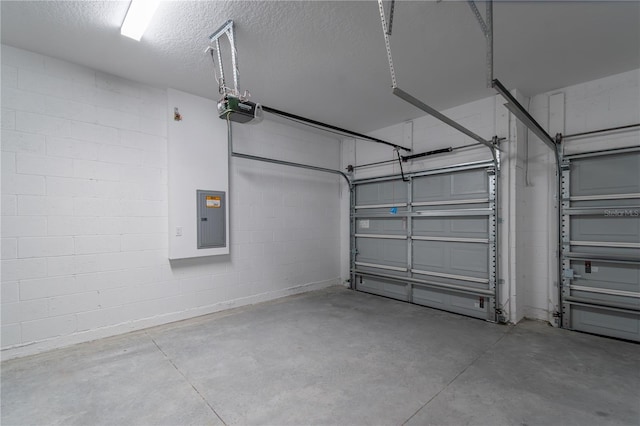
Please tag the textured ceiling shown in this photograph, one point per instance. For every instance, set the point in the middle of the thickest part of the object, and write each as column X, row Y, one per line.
column 326, row 59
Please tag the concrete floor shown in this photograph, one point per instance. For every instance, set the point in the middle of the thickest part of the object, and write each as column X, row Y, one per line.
column 330, row 357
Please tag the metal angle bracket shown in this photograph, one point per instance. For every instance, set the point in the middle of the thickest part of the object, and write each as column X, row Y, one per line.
column 438, row 115
column 521, row 113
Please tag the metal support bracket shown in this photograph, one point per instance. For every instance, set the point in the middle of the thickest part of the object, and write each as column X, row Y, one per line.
column 437, row 114
column 226, row 29
column 421, row 105
column 392, row 5
column 387, row 42
column 487, row 30
column 512, row 104
column 521, row 113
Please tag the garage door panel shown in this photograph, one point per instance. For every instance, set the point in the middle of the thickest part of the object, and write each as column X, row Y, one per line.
column 602, row 296
column 430, row 188
column 456, row 186
column 469, row 183
column 382, row 226
column 451, row 258
column 375, row 270
column 470, row 259
column 429, row 257
column 473, row 227
column 621, row 205
column 595, row 251
column 603, row 275
column 608, row 298
column 468, row 283
column 609, row 323
column 450, row 205
column 382, row 288
column 431, row 227
column 385, row 252
column 620, row 229
column 389, row 212
column 454, row 302
column 381, row 193
column 456, row 227
column 612, row 174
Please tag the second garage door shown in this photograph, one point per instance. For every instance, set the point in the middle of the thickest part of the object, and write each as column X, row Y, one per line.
column 601, row 243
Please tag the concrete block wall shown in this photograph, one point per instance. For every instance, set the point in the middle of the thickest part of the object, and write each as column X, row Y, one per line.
column 84, row 211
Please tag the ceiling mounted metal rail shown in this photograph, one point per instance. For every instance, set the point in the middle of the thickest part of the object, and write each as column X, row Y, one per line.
column 232, row 153
column 419, row 104
column 315, row 123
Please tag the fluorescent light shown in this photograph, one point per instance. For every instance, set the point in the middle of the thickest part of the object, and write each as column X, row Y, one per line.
column 138, row 17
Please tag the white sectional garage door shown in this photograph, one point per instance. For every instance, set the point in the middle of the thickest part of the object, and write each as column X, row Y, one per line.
column 601, row 243
column 429, row 240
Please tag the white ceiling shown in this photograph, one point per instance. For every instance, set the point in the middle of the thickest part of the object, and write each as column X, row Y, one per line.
column 326, row 59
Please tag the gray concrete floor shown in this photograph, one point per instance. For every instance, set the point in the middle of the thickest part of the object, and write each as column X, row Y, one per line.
column 330, row 357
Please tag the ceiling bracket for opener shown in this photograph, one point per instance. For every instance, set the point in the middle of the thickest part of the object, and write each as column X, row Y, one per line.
column 233, row 105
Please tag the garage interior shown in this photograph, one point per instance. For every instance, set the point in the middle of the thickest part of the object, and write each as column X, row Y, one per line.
column 317, row 212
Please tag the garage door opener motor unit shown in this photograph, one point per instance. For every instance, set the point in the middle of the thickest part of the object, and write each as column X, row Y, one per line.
column 233, row 105
column 238, row 110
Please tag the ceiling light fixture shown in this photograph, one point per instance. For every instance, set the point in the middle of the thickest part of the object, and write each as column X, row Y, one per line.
column 138, row 18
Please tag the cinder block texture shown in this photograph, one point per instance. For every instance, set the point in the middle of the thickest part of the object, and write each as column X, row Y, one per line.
column 84, row 210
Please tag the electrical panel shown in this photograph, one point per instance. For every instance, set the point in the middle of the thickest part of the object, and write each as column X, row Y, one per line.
column 212, row 220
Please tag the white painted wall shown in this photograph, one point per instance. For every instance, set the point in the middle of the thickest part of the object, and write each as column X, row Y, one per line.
column 85, row 216
column 607, row 102
column 198, row 160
